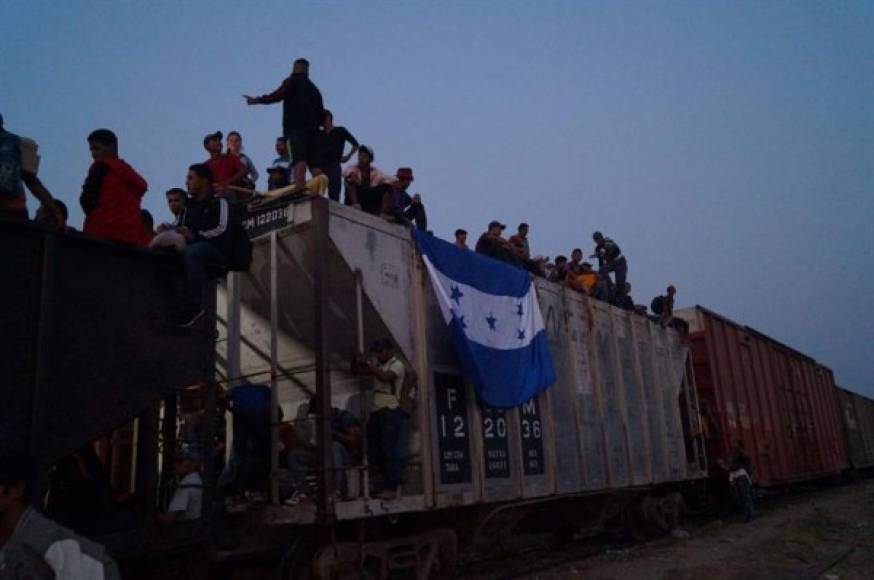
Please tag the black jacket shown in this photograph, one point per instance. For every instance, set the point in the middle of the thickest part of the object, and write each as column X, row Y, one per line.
column 221, row 223
column 302, row 107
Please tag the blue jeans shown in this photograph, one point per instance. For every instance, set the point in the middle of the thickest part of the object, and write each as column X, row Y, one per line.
column 303, row 462
column 384, row 445
column 203, row 260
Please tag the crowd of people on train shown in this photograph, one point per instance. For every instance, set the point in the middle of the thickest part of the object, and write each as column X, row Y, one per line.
column 206, row 227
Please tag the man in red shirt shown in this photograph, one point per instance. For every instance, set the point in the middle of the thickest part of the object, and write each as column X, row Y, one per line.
column 226, row 169
column 112, row 193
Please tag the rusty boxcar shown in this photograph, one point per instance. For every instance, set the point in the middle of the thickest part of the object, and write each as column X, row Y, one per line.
column 780, row 403
column 859, row 424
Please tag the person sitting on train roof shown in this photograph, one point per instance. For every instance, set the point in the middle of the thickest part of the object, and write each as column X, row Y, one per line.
column 387, row 421
column 281, row 148
column 366, row 184
column 167, row 236
column 227, row 169
column 610, row 259
column 461, row 239
column 187, row 501
column 211, row 250
column 148, row 223
column 575, row 266
column 402, row 207
column 112, row 193
column 303, row 112
column 277, row 175
column 19, row 163
column 559, row 270
column 22, row 528
column 520, row 240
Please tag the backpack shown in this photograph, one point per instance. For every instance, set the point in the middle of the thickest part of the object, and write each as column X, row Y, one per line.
column 409, row 390
column 657, row 304
column 240, row 246
column 10, row 165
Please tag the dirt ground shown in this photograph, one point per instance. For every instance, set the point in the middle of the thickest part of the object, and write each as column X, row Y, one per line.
column 826, row 534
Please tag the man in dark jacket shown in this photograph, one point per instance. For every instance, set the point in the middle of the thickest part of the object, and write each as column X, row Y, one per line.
column 610, row 259
column 206, row 226
column 302, row 114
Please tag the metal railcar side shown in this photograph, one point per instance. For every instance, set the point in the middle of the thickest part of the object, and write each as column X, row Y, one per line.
column 622, row 415
column 780, row 403
column 859, row 424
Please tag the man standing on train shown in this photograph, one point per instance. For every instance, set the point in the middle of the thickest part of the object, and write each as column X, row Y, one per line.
column 387, row 420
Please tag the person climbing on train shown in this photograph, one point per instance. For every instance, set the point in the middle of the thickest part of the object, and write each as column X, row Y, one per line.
column 387, row 419
column 303, row 112
column 112, row 193
column 216, row 241
column 18, row 168
column 22, row 528
column 610, row 259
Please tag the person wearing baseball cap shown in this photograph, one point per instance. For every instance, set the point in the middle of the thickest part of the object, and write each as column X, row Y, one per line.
column 187, row 501
column 277, row 174
column 227, row 169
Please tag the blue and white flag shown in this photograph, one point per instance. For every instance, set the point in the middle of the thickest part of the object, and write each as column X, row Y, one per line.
column 494, row 321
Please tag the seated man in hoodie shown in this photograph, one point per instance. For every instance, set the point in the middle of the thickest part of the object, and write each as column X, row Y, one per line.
column 207, row 230
column 112, row 193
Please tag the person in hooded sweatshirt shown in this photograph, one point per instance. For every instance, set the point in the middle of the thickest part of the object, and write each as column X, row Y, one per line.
column 112, row 193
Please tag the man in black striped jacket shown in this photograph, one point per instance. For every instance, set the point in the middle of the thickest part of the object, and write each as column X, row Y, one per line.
column 206, row 225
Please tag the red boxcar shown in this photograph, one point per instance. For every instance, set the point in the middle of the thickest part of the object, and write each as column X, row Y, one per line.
column 782, row 404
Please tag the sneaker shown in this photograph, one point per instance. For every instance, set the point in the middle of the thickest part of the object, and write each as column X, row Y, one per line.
column 187, row 318
column 296, row 498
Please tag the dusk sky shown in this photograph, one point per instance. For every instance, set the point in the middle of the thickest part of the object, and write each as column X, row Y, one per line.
column 728, row 147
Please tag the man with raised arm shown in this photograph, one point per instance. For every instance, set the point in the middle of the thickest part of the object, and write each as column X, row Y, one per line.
column 302, row 114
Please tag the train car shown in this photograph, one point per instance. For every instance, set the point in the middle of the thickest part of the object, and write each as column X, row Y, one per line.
column 85, row 337
column 780, row 403
column 859, row 424
column 621, row 421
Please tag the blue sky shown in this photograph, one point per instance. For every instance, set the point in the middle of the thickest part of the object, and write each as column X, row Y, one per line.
column 727, row 147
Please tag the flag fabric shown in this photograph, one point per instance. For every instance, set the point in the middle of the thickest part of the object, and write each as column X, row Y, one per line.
column 494, row 321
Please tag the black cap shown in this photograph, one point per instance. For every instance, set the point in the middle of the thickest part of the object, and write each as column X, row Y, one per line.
column 496, row 224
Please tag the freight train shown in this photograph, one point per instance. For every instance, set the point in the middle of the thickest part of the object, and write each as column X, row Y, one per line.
column 638, row 416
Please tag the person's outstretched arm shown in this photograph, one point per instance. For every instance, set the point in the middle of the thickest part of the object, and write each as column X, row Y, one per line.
column 269, row 98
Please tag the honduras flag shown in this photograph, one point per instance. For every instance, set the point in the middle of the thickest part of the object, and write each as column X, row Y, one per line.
column 494, row 322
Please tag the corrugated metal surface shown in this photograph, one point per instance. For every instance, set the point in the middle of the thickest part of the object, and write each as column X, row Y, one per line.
column 782, row 404
column 614, row 419
column 859, row 423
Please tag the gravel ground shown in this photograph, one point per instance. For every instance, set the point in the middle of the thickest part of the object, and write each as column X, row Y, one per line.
column 826, row 534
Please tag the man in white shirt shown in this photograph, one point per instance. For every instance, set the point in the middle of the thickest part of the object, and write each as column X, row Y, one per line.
column 387, row 419
column 187, row 501
column 25, row 531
